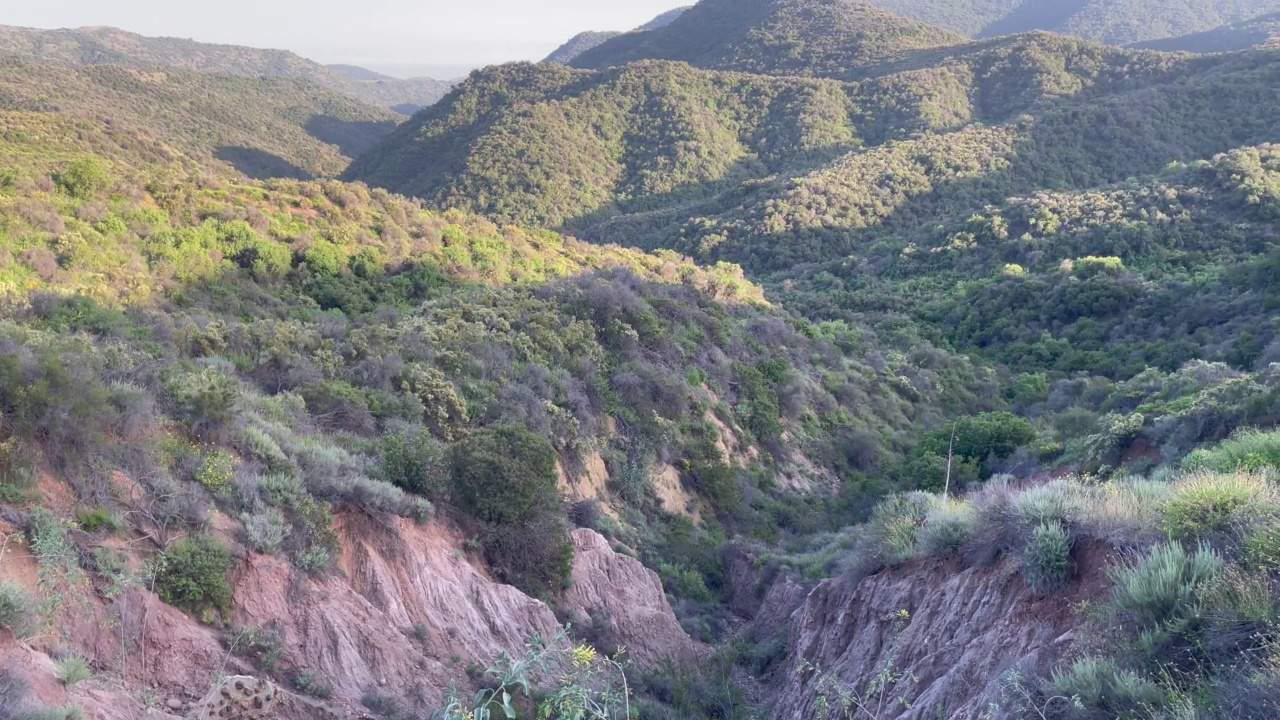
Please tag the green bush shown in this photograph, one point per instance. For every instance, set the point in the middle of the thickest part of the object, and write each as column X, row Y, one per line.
column 82, row 178
column 1046, row 560
column 500, row 474
column 17, row 610
column 193, row 575
column 92, row 519
column 1246, row 451
column 415, row 462
column 1206, row 503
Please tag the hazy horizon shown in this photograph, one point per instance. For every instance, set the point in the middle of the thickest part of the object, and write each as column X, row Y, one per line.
column 396, row 37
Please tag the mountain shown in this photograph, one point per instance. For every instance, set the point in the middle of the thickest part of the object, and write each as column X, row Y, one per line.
column 579, row 44
column 1260, row 32
column 585, row 41
column 265, row 127
column 1114, row 22
column 825, row 38
column 355, row 72
column 656, row 135
column 110, row 46
column 845, row 197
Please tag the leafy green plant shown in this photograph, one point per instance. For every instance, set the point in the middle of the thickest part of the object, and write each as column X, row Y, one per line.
column 584, row 685
column 895, row 525
column 949, row 525
column 93, row 519
column 193, row 575
column 1099, row 684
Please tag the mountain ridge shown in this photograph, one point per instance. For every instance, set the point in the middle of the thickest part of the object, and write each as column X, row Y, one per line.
column 107, row 45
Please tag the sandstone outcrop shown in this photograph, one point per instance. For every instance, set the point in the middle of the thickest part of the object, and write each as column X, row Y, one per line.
column 624, row 604
column 952, row 632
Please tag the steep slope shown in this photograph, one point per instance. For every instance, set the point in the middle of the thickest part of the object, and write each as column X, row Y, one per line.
column 1260, row 32
column 109, row 46
column 1120, row 22
column 265, row 127
column 820, row 38
column 656, row 135
column 582, row 42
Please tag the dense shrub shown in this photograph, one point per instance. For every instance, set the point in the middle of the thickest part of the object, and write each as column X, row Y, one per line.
column 501, row 474
column 193, row 575
column 415, row 461
column 1159, row 591
column 1246, row 451
column 1102, row 685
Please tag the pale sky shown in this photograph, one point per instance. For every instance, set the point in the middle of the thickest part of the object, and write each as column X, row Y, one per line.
column 395, row 36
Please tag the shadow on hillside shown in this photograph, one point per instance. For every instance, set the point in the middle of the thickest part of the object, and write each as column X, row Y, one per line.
column 1066, row 147
column 407, row 109
column 1034, row 15
column 260, row 164
column 352, row 137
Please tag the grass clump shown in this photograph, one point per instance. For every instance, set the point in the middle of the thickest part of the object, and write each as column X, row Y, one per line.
column 1163, row 584
column 18, row 611
column 74, row 670
column 895, row 525
column 1100, row 684
column 949, row 525
column 1207, row 503
column 1246, row 451
column 1046, row 560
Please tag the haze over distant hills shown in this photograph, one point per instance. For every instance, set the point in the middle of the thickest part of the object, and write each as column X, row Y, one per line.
column 805, row 133
column 1260, row 32
column 110, row 46
column 585, row 41
column 1114, row 22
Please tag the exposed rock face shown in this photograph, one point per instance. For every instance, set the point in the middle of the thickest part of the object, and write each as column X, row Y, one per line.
column 404, row 617
column 964, row 629
column 625, row 602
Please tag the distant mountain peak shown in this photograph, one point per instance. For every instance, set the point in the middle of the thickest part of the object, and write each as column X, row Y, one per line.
column 1113, row 22
column 824, row 38
column 584, row 41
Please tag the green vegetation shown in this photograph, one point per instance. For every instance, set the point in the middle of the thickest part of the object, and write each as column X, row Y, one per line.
column 261, row 126
column 108, row 46
column 505, row 477
column 1114, row 23
column 17, row 610
column 823, row 38
column 193, row 575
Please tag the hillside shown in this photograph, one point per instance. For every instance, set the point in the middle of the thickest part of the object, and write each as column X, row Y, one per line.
column 266, row 376
column 109, row 46
column 585, row 41
column 658, row 135
column 821, row 38
column 1260, row 32
column 578, row 44
column 1114, row 22
column 264, row 127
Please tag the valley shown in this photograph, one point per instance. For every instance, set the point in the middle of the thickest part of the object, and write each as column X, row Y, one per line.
column 775, row 359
